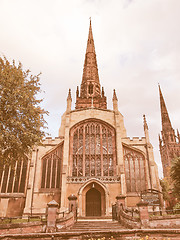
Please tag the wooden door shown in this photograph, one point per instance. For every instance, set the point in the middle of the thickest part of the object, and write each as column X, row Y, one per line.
column 93, row 202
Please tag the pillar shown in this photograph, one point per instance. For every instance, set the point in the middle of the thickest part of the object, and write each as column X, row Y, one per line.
column 120, row 200
column 73, row 204
column 143, row 214
column 120, row 204
column 52, row 208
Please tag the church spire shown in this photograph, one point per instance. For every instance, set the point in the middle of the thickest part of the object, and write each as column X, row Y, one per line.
column 169, row 147
column 166, row 123
column 90, row 85
column 90, row 43
column 90, row 71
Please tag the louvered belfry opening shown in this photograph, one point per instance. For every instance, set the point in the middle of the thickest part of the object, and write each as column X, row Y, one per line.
column 93, row 149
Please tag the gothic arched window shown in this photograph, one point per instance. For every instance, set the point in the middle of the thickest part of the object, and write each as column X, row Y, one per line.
column 93, row 149
column 134, row 170
column 51, row 168
column 13, row 178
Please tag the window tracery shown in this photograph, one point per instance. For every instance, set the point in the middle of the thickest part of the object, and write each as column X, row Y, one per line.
column 134, row 170
column 93, row 150
column 13, row 178
column 51, row 168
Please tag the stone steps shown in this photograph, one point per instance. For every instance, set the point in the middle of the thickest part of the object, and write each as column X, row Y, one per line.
column 94, row 226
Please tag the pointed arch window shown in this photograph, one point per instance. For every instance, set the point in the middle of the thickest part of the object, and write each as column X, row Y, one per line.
column 13, row 178
column 93, row 149
column 135, row 172
column 51, row 168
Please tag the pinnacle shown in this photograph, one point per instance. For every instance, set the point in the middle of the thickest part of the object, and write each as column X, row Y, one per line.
column 114, row 95
column 69, row 95
column 145, row 122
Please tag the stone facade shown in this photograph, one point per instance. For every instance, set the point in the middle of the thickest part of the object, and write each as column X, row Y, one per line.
column 92, row 158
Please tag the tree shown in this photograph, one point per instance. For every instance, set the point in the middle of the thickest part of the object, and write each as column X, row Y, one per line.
column 168, row 195
column 21, row 116
column 175, row 175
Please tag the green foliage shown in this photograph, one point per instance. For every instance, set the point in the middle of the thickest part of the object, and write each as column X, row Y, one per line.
column 175, row 175
column 165, row 188
column 21, row 117
column 177, row 206
column 168, row 195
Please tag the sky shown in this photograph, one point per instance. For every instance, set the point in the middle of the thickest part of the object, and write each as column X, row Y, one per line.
column 137, row 45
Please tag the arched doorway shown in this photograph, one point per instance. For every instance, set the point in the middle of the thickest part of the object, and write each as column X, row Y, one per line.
column 93, row 202
column 100, row 195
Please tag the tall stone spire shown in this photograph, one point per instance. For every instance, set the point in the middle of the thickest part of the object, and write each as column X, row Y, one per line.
column 90, row 85
column 169, row 147
column 90, row 71
column 166, row 123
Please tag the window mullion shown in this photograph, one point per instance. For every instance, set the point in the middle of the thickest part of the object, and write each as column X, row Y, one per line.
column 83, row 151
column 14, row 178
column 107, row 150
column 101, row 149
column 20, row 175
column 95, row 149
column 90, row 137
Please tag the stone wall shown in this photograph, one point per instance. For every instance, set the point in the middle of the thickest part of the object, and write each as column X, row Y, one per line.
column 67, row 222
column 172, row 221
column 21, row 228
column 133, row 234
column 35, row 227
column 12, row 205
column 128, row 221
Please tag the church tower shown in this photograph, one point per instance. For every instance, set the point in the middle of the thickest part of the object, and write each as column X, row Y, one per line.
column 91, row 94
column 169, row 143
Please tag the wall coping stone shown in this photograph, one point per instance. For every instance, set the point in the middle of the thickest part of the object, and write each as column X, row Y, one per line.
column 53, row 203
column 72, row 197
column 121, row 232
column 120, row 197
column 142, row 203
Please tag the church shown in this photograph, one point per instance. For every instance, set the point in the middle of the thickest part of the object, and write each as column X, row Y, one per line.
column 92, row 158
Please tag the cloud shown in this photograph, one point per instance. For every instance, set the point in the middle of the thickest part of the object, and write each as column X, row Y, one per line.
column 137, row 47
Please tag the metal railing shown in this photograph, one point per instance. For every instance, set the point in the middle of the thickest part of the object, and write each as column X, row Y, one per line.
column 165, row 212
column 132, row 212
column 31, row 218
column 23, row 219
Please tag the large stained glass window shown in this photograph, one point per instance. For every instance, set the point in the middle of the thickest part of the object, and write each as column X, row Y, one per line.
column 134, row 170
column 93, row 149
